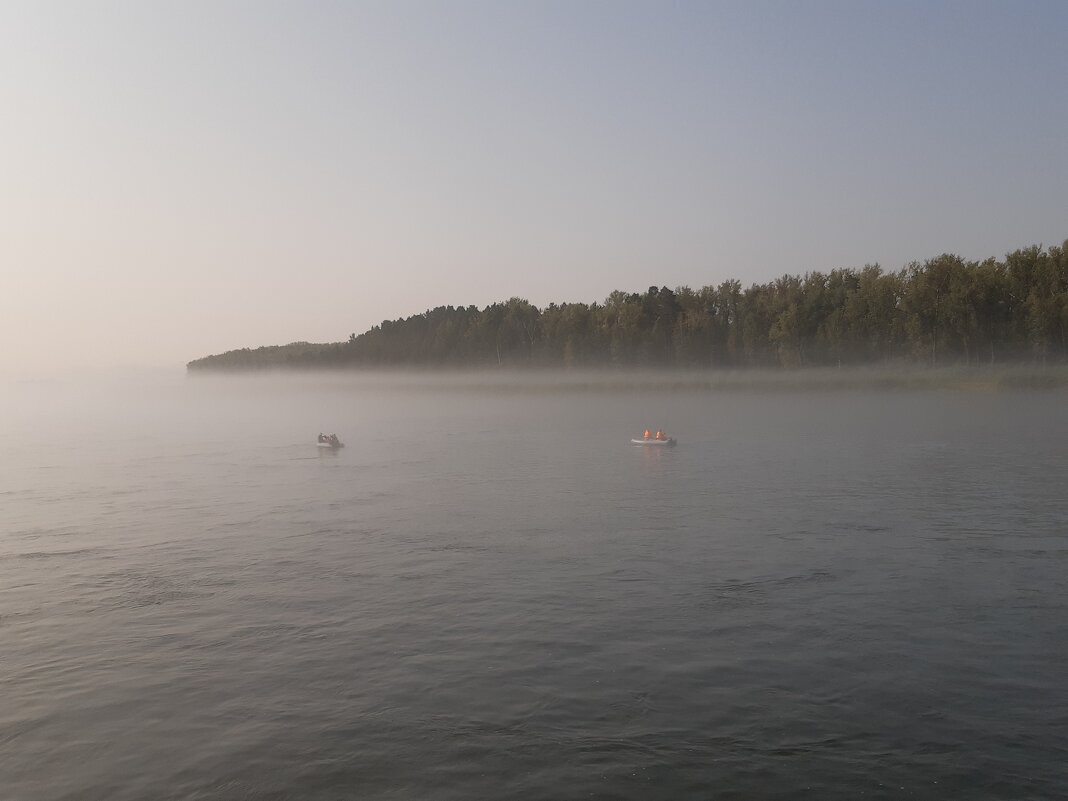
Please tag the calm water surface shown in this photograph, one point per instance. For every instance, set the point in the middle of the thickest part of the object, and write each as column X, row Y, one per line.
column 490, row 594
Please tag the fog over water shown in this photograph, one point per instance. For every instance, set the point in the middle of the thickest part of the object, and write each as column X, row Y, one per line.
column 490, row 593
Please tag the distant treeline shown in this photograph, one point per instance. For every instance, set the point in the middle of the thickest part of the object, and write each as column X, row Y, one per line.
column 944, row 311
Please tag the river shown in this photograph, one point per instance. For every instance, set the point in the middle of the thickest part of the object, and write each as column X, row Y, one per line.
column 489, row 593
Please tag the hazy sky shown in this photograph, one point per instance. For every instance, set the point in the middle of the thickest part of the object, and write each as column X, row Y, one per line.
column 184, row 178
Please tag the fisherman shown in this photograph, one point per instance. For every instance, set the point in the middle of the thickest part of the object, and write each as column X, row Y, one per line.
column 647, row 435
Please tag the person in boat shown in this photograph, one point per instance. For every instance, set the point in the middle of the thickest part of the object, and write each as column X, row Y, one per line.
column 661, row 436
column 647, row 435
column 321, row 437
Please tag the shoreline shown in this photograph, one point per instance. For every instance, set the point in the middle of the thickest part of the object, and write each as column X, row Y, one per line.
column 814, row 379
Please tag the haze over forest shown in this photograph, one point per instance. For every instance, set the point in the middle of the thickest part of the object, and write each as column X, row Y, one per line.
column 943, row 311
column 179, row 181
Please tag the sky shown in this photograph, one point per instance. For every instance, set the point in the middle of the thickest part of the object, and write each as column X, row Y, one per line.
column 185, row 178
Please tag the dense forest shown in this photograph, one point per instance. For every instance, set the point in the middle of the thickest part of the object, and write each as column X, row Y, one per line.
column 945, row 311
